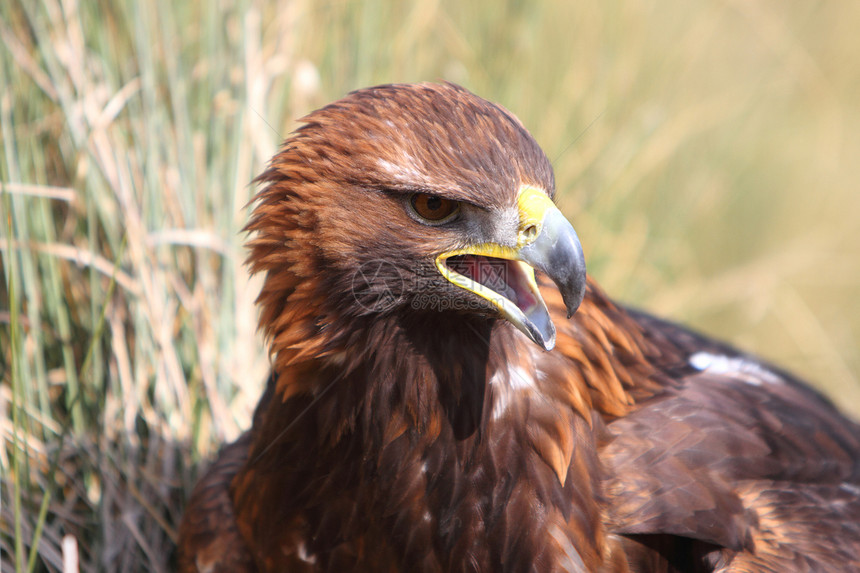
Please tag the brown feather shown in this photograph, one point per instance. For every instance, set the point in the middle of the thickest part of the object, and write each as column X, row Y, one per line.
column 405, row 437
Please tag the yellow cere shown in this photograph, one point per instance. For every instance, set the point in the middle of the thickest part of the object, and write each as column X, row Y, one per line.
column 533, row 203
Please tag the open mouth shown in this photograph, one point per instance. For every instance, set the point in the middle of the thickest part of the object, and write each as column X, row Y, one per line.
column 511, row 280
column 503, row 274
column 506, row 283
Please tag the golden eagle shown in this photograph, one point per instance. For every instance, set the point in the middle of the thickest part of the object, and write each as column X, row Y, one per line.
column 449, row 391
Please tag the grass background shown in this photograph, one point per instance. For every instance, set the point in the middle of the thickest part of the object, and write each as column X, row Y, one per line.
column 707, row 151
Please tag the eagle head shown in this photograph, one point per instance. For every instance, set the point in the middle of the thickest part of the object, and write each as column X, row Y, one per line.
column 410, row 199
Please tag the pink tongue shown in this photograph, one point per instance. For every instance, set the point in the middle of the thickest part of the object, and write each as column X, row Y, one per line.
column 470, row 266
column 499, row 275
column 489, row 272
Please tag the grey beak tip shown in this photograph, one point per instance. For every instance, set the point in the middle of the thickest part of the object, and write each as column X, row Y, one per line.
column 574, row 301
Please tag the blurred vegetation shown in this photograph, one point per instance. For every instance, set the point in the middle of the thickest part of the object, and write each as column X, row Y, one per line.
column 707, row 152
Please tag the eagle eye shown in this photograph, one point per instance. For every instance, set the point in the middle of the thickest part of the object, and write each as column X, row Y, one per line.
column 433, row 209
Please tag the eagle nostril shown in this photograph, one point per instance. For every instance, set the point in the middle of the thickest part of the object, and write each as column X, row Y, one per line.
column 529, row 232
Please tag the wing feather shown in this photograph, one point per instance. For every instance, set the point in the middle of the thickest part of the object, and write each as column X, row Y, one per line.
column 740, row 455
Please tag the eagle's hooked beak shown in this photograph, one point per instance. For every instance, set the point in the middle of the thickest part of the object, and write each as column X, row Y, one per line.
column 504, row 276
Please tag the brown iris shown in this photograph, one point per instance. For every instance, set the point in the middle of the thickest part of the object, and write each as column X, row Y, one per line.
column 433, row 208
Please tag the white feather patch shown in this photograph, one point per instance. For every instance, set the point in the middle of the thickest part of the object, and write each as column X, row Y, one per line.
column 507, row 383
column 741, row 368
